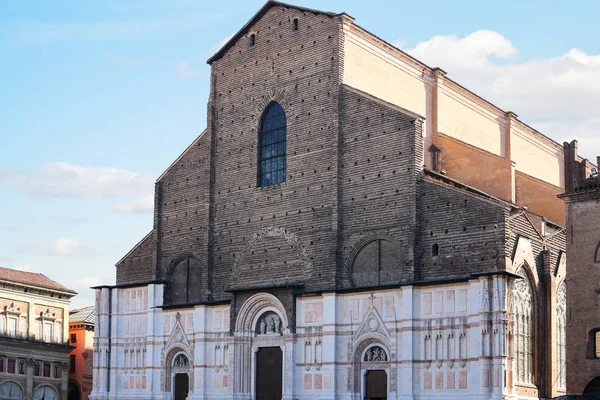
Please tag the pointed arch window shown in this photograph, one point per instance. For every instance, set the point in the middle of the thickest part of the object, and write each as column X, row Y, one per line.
column 272, row 137
column 523, row 328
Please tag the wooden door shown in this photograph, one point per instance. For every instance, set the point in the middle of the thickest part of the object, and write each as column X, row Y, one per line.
column 182, row 383
column 269, row 373
column 376, row 385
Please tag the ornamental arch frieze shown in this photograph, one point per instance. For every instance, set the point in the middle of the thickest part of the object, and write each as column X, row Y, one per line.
column 279, row 96
column 392, row 257
column 294, row 248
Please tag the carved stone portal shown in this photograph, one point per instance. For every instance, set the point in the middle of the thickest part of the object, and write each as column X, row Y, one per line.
column 268, row 324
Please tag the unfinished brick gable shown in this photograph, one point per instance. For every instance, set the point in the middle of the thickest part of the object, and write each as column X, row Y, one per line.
column 139, row 264
column 467, row 229
column 182, row 210
column 299, row 70
column 378, row 176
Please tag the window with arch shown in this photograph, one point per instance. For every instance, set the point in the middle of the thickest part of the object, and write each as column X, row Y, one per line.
column 377, row 262
column 10, row 390
column 184, row 282
column 523, row 329
column 561, row 310
column 593, row 343
column 44, row 392
column 272, row 137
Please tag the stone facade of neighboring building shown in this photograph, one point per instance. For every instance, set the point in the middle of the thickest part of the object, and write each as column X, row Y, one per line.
column 582, row 315
column 34, row 348
column 351, row 224
column 81, row 337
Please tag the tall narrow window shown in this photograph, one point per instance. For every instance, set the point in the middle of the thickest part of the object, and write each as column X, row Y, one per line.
column 523, row 326
column 272, row 138
column 252, row 40
column 295, row 24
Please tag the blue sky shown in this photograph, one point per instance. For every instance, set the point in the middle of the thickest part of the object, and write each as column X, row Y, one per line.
column 98, row 98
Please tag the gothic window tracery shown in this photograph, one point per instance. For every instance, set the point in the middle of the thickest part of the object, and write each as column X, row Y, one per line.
column 561, row 302
column 523, row 329
column 272, row 146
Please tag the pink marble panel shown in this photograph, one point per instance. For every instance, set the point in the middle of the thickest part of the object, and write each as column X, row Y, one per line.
column 427, row 303
column 427, row 380
column 451, row 380
column 307, row 381
column 462, row 380
column 318, row 381
column 439, row 380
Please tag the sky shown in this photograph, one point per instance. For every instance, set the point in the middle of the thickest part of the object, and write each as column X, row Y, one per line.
column 97, row 98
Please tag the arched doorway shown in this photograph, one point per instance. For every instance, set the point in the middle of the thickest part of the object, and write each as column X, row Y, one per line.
column 269, row 376
column 182, row 386
column 593, row 387
column 10, row 391
column 45, row 392
column 181, row 376
column 74, row 392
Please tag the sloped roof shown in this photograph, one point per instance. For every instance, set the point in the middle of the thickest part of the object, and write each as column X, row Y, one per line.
column 270, row 4
column 32, row 279
column 86, row 315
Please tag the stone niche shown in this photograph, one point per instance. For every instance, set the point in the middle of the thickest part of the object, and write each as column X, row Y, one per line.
column 269, row 324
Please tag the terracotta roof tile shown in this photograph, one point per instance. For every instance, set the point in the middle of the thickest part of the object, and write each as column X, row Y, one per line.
column 31, row 278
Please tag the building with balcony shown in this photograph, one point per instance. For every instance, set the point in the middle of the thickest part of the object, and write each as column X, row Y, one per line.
column 34, row 324
column 81, row 336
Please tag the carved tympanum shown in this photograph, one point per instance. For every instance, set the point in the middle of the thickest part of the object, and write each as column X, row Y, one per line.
column 268, row 324
column 375, row 354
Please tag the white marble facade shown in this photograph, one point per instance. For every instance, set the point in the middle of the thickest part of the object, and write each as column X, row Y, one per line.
column 432, row 342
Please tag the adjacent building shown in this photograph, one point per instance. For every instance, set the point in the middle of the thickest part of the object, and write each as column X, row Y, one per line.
column 34, row 327
column 81, row 337
column 582, row 315
column 351, row 224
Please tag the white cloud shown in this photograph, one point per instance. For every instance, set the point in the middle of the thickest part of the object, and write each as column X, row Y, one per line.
column 62, row 247
column 184, row 69
column 557, row 95
column 142, row 205
column 64, row 179
column 24, row 267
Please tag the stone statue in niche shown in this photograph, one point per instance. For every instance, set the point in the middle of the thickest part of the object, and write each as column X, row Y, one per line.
column 181, row 361
column 375, row 354
column 269, row 324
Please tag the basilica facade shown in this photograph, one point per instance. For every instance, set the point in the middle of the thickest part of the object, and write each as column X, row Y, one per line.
column 351, row 224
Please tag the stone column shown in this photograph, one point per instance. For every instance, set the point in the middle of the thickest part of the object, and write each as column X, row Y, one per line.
column 64, row 381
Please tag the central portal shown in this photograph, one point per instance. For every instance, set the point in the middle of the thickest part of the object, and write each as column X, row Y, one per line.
column 269, row 373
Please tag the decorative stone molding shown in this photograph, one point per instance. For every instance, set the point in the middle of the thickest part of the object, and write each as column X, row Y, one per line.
column 274, row 95
column 254, row 308
column 273, row 232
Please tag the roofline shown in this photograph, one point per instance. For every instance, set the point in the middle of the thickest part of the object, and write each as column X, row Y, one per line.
column 268, row 5
column 181, row 155
column 67, row 291
column 456, row 83
column 375, row 99
column 134, row 248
